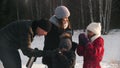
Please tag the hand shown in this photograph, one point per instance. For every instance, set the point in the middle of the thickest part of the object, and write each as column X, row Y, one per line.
column 37, row 53
column 74, row 45
column 83, row 40
column 62, row 57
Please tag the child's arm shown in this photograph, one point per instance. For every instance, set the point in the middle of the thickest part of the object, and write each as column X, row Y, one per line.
column 83, row 40
column 95, row 49
column 80, row 50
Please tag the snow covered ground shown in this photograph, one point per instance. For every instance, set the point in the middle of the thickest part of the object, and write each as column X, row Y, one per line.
column 111, row 57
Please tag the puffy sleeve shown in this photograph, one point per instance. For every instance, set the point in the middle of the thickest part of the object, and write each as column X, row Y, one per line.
column 80, row 50
column 95, row 49
column 25, row 44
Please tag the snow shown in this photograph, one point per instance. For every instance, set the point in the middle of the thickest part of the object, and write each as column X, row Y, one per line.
column 111, row 57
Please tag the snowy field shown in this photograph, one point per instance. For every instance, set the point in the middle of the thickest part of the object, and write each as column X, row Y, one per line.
column 111, row 57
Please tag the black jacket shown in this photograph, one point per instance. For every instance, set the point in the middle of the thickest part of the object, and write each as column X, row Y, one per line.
column 17, row 35
column 64, row 60
column 61, row 60
column 52, row 39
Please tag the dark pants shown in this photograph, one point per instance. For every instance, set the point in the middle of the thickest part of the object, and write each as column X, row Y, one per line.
column 10, row 58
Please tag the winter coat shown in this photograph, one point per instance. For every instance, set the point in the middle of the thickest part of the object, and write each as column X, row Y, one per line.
column 17, row 35
column 61, row 60
column 52, row 39
column 92, row 53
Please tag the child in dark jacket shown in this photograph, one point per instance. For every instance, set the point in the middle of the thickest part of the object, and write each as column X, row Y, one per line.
column 63, row 57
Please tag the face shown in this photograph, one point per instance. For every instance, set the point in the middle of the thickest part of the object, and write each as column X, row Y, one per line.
column 40, row 31
column 65, row 22
column 90, row 33
column 63, row 49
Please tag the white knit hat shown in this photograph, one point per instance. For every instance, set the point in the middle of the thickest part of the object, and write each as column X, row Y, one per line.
column 61, row 12
column 94, row 27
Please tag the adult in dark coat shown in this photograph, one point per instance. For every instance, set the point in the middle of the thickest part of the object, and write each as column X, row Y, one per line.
column 60, row 24
column 19, row 35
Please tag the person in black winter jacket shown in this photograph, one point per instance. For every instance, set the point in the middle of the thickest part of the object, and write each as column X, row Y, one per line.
column 63, row 56
column 19, row 35
column 60, row 24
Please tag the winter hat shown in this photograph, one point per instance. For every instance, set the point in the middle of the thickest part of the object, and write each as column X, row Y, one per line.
column 61, row 12
column 65, row 43
column 42, row 23
column 94, row 27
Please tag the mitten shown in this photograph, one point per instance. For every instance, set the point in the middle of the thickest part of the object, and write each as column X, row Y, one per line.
column 37, row 53
column 83, row 40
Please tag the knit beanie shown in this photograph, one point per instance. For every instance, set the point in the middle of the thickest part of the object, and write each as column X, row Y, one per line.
column 61, row 12
column 94, row 27
column 42, row 23
column 65, row 43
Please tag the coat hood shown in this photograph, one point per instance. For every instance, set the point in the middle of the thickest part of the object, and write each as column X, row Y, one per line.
column 96, row 29
column 54, row 21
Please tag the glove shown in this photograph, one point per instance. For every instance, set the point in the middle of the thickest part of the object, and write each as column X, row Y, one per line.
column 74, row 46
column 83, row 40
column 37, row 53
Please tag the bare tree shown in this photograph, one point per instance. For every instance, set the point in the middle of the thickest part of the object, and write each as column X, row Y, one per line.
column 109, row 15
column 91, row 10
column 82, row 15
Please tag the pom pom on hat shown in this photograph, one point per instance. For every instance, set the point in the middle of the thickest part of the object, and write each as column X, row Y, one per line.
column 61, row 12
column 94, row 27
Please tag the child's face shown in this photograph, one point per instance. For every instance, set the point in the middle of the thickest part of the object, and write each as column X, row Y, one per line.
column 63, row 50
column 90, row 33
